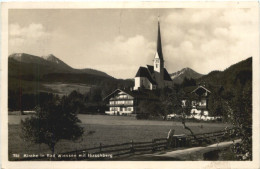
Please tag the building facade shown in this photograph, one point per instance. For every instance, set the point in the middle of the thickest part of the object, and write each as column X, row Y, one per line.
column 124, row 102
column 156, row 76
column 120, row 103
column 199, row 102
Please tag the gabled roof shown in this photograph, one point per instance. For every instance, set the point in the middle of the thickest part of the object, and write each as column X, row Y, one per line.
column 202, row 88
column 114, row 92
column 150, row 68
column 144, row 72
column 166, row 75
column 142, row 94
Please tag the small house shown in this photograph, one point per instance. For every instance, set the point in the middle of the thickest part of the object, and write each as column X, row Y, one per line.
column 199, row 97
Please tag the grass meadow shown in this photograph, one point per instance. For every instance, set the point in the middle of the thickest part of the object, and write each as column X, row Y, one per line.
column 104, row 129
column 65, row 89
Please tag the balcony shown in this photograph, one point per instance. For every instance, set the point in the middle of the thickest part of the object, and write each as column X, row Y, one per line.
column 119, row 112
column 201, row 107
column 115, row 99
column 120, row 105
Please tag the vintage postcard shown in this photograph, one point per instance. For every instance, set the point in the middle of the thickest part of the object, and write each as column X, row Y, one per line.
column 130, row 85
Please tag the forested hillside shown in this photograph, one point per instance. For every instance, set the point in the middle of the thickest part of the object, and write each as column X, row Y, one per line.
column 29, row 77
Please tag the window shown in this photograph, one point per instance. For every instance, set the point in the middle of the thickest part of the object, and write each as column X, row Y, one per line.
column 203, row 102
column 156, row 65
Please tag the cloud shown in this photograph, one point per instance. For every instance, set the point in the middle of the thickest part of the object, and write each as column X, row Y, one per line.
column 209, row 39
column 202, row 39
column 24, row 39
column 124, row 55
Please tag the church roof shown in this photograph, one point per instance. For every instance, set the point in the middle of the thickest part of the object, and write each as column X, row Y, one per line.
column 150, row 68
column 159, row 43
column 166, row 75
column 144, row 72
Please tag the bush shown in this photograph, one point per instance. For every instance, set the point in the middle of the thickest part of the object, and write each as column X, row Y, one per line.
column 140, row 116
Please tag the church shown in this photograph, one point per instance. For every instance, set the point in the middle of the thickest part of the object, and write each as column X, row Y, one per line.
column 125, row 102
column 156, row 76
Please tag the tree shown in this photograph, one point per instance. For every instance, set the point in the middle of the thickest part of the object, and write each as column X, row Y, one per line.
column 150, row 108
column 175, row 97
column 216, row 103
column 188, row 82
column 240, row 114
column 53, row 121
column 235, row 101
column 77, row 101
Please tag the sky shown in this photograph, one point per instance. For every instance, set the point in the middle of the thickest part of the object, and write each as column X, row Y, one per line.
column 119, row 41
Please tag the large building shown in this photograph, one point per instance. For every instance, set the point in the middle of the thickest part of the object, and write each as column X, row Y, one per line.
column 156, row 76
column 125, row 102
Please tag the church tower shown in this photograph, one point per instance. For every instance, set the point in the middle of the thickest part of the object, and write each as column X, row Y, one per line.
column 158, row 61
column 155, row 76
column 158, row 58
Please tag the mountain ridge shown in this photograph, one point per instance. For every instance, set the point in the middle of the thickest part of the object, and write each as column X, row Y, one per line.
column 53, row 63
column 178, row 77
column 238, row 71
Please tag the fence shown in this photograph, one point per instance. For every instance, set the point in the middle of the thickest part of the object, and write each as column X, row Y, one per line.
column 115, row 151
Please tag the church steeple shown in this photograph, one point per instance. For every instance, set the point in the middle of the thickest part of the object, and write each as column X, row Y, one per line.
column 158, row 58
column 159, row 43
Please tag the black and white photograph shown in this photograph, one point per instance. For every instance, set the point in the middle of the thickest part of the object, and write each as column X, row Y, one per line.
column 132, row 84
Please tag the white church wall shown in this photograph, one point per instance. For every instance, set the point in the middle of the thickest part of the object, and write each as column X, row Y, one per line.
column 142, row 82
column 137, row 83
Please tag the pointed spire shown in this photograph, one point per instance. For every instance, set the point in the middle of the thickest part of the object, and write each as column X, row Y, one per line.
column 159, row 43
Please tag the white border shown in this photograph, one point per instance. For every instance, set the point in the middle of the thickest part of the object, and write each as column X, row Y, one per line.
column 122, row 164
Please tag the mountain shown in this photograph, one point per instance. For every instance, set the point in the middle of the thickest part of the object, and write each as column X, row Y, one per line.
column 241, row 71
column 33, row 73
column 94, row 72
column 26, row 64
column 54, row 60
column 178, row 76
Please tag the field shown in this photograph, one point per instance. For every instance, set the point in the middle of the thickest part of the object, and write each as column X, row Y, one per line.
column 65, row 88
column 106, row 130
column 36, row 86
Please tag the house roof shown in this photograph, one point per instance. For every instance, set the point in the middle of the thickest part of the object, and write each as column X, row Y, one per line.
column 138, row 94
column 111, row 94
column 144, row 72
column 199, row 88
